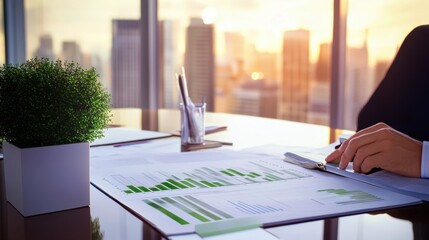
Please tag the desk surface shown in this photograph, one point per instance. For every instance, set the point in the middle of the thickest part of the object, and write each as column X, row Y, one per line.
column 106, row 219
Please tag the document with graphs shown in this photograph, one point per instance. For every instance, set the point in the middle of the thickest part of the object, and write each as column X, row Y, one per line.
column 178, row 193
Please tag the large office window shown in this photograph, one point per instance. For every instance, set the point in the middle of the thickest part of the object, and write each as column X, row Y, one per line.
column 375, row 31
column 95, row 33
column 265, row 58
column 269, row 58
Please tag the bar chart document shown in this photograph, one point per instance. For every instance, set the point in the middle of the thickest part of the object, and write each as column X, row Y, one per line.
column 176, row 192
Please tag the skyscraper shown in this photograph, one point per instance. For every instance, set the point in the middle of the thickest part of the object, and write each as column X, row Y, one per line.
column 71, row 52
column 358, row 85
column 126, row 61
column 45, row 48
column 323, row 67
column 295, row 84
column 319, row 88
column 199, row 61
column 257, row 98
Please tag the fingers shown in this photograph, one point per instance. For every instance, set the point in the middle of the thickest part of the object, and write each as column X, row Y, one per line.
column 348, row 150
column 364, row 156
column 356, row 144
column 335, row 155
column 370, row 162
column 367, row 130
column 380, row 146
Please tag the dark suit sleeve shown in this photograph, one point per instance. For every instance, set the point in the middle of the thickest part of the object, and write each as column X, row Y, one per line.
column 402, row 98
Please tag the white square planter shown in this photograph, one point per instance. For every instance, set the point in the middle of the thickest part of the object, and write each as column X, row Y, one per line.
column 46, row 179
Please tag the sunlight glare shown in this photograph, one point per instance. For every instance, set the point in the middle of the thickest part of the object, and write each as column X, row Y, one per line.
column 209, row 15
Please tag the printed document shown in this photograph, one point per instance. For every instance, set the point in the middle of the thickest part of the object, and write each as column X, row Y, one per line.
column 179, row 192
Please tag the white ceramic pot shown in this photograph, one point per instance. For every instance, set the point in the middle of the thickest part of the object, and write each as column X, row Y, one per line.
column 46, row 179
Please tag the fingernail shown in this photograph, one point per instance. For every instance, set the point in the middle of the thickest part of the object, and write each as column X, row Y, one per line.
column 332, row 156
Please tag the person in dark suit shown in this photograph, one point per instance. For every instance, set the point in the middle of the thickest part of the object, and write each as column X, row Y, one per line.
column 402, row 98
column 393, row 126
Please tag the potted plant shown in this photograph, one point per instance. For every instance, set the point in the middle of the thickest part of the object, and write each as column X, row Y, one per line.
column 50, row 111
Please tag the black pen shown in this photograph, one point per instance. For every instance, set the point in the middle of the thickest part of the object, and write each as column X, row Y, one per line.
column 341, row 142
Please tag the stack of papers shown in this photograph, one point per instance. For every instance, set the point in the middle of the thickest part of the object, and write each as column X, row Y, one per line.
column 179, row 193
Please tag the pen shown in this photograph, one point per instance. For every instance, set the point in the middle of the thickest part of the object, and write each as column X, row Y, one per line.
column 129, row 143
column 184, row 94
column 341, row 142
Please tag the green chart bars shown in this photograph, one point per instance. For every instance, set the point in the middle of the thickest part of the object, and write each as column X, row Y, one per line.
column 344, row 197
column 194, row 208
column 203, row 177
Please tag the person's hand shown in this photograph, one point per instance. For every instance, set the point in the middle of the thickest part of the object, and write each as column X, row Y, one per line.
column 380, row 146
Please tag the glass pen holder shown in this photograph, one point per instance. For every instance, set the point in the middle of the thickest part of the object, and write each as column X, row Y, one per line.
column 192, row 128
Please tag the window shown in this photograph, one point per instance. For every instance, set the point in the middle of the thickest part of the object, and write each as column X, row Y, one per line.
column 84, row 31
column 265, row 58
column 269, row 58
column 375, row 31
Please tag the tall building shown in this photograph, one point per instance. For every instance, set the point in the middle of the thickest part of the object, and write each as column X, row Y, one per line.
column 168, row 65
column 200, row 62
column 295, row 82
column 256, row 98
column 358, row 86
column 45, row 48
column 323, row 67
column 126, row 61
column 319, row 97
column 71, row 52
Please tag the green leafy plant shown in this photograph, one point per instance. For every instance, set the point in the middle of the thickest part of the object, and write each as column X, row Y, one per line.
column 45, row 102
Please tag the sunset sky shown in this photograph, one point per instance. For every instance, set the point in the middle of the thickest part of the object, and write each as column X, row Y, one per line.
column 262, row 22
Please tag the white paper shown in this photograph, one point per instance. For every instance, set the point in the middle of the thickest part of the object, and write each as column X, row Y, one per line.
column 416, row 187
column 256, row 233
column 250, row 187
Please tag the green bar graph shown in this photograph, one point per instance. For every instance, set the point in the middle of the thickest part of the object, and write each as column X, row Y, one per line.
column 198, row 208
column 195, row 182
column 254, row 174
column 235, row 172
column 162, row 187
column 169, row 185
column 169, row 214
column 209, row 207
column 207, row 183
column 185, row 209
column 346, row 197
column 143, row 189
column 134, row 189
column 217, row 184
column 187, row 184
column 175, row 183
column 202, row 177
column 227, row 173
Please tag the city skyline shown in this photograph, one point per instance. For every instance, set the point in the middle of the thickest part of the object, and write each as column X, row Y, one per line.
column 253, row 16
column 250, row 62
column 242, row 48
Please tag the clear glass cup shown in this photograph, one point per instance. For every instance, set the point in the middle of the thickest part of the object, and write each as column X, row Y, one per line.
column 192, row 131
